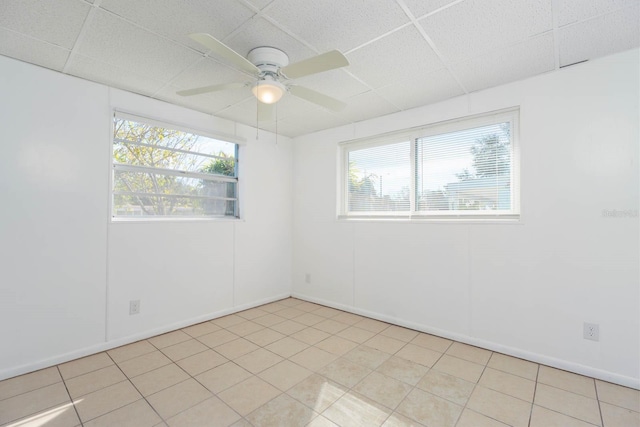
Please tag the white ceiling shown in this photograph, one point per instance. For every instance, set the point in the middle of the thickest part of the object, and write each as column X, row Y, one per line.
column 403, row 53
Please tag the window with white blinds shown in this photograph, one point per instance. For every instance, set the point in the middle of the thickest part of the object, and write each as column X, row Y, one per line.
column 460, row 169
column 163, row 172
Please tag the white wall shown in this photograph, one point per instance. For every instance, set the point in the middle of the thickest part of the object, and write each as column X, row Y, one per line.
column 67, row 273
column 523, row 289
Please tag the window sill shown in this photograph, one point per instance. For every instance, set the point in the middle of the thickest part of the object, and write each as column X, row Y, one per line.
column 171, row 220
column 507, row 220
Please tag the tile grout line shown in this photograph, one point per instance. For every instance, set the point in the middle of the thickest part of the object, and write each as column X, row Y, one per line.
column 73, row 403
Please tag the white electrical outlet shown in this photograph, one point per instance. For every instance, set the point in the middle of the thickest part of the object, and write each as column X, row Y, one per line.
column 591, row 331
column 307, row 278
column 134, row 307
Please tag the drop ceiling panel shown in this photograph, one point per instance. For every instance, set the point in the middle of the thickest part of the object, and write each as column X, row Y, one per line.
column 571, row 11
column 396, row 57
column 419, row 8
column 317, row 119
column 177, row 19
column 365, row 106
column 587, row 40
column 472, row 27
column 426, row 89
column 110, row 39
column 58, row 22
column 27, row 49
column 531, row 57
column 338, row 24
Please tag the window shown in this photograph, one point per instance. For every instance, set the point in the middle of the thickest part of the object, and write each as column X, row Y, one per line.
column 466, row 168
column 162, row 172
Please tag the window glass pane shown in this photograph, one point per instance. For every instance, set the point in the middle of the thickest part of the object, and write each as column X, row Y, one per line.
column 379, row 178
column 167, row 206
column 467, row 170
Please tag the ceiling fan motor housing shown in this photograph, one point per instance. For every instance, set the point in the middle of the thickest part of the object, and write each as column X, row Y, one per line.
column 268, row 59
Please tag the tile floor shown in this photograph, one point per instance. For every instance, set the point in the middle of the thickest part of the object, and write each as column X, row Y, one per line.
column 296, row 363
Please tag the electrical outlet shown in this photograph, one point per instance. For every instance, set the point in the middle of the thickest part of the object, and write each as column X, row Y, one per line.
column 134, row 307
column 307, row 278
column 591, row 331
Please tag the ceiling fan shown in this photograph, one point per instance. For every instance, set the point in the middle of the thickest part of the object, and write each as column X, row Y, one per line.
column 272, row 71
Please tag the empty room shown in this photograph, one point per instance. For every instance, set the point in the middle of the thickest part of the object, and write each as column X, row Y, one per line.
column 320, row 213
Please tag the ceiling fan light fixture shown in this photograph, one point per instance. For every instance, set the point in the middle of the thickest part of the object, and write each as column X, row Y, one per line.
column 268, row 91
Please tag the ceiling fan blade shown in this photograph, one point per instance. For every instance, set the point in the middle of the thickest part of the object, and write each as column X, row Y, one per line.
column 211, row 88
column 266, row 112
column 316, row 64
column 225, row 52
column 317, row 98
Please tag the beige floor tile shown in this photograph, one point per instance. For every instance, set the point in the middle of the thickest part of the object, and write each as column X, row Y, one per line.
column 288, row 327
column 543, row 417
column 178, row 398
column 153, row 381
column 618, row 395
column 355, row 334
column 230, row 320
column 567, row 381
column 285, row 375
column 258, row 360
column 307, row 306
column 447, row 386
column 384, row 343
column 241, row 423
column 63, row 415
column 330, row 326
column 507, row 409
column 145, row 363
column 290, row 313
column 317, row 392
column 269, row 320
column 272, row 307
column 252, row 313
column 469, row 353
column 184, row 349
column 264, row 337
column 385, row 390
column 313, row 358
column 468, row 371
column 217, row 338
column 399, row 420
column 513, row 365
column 283, row 411
column 201, row 362
column 345, row 372
column 615, row 416
column 245, row 328
column 130, row 351
column 432, row 342
column 287, row 347
column 512, row 385
column 93, row 381
column 429, row 410
column 105, row 400
column 236, row 348
column 367, row 356
column 400, row 333
column 421, row 355
column 348, row 318
column 86, row 364
column 249, row 395
column 321, row 421
column 310, row 336
column 336, row 345
column 168, row 339
column 356, row 410
column 33, row 402
column 28, row 382
column 574, row 405
column 212, row 412
column 403, row 370
column 222, row 377
column 201, row 329
column 470, row 418
column 372, row 325
column 290, row 302
column 309, row 319
column 327, row 312
column 136, row 414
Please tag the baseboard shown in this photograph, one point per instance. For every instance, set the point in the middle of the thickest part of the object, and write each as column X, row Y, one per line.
column 97, row 348
column 511, row 351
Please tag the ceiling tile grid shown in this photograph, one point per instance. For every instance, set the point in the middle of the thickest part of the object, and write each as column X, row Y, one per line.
column 402, row 53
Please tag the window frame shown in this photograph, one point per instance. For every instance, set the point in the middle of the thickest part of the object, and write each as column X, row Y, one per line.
column 511, row 115
column 113, row 166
